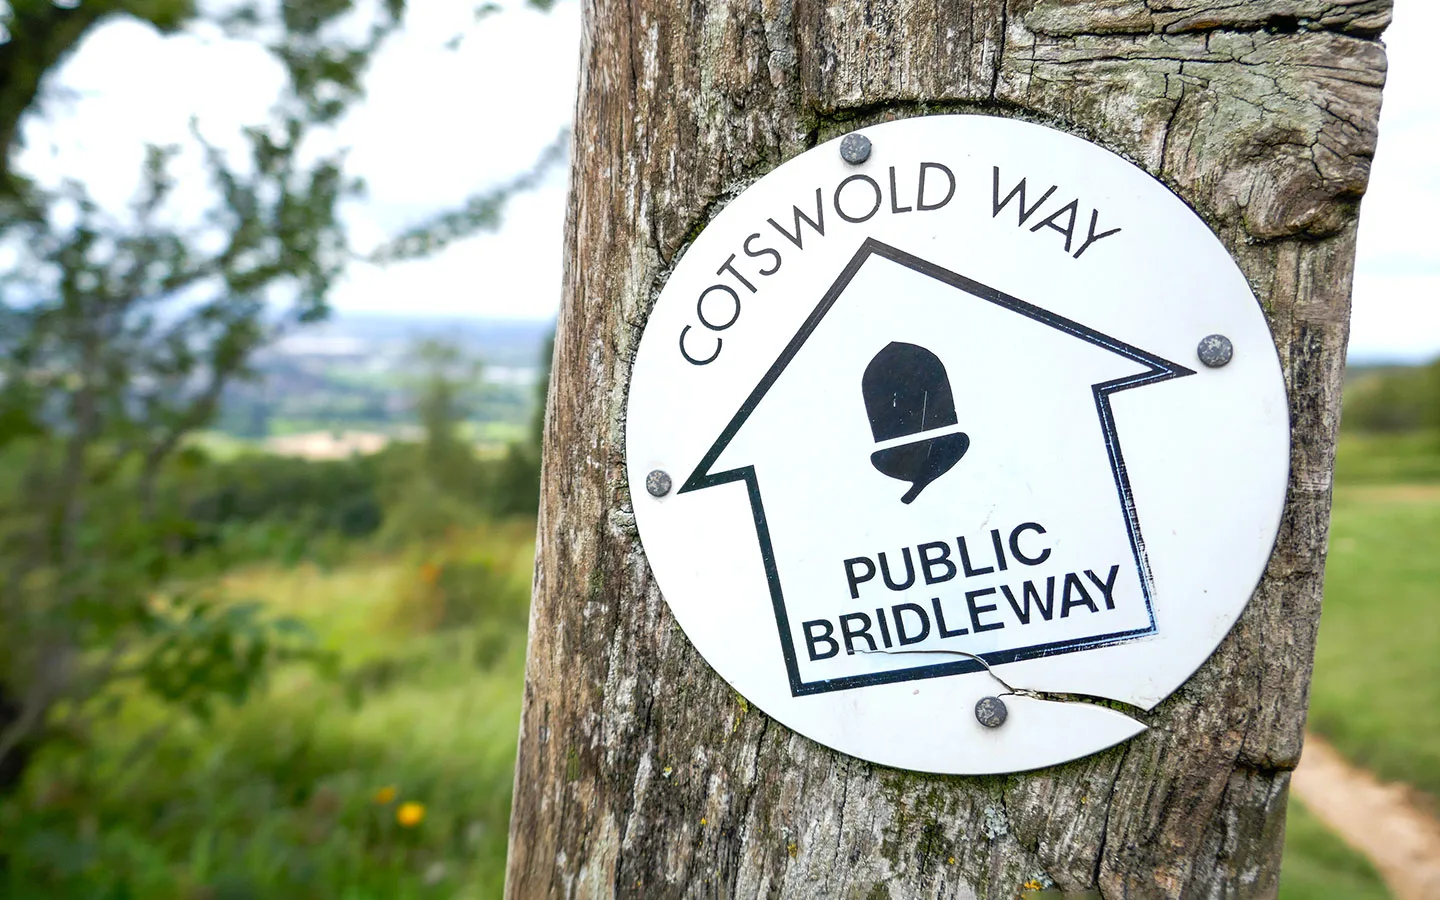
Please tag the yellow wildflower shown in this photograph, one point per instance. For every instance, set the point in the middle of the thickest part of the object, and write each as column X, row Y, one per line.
column 410, row 814
column 385, row 795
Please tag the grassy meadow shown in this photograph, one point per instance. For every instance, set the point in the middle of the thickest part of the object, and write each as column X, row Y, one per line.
column 1376, row 692
column 1318, row 866
column 1376, row 689
column 387, row 776
column 385, row 772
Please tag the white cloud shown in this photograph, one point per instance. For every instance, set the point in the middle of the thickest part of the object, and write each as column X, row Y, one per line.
column 1396, row 318
column 454, row 106
column 127, row 85
column 1396, row 313
column 440, row 124
column 512, row 274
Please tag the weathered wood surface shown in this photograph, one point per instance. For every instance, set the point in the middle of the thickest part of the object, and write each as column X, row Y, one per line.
column 641, row 773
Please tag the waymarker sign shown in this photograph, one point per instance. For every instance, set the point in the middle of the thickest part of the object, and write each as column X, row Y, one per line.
column 948, row 429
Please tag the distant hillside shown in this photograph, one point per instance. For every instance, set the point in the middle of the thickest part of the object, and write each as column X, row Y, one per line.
column 502, row 343
column 1392, row 398
column 350, row 373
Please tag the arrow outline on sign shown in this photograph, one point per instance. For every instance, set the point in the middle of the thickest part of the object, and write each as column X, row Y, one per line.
column 1159, row 369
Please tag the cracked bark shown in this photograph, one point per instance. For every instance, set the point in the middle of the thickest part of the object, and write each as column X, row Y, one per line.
column 640, row 772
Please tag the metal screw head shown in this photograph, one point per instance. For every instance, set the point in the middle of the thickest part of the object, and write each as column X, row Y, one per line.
column 658, row 483
column 991, row 712
column 1215, row 350
column 855, row 148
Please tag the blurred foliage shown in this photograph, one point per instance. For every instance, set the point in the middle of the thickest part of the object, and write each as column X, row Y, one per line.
column 312, row 497
column 1410, row 457
column 448, row 378
column 204, row 665
column 41, row 34
column 441, row 483
column 119, row 332
column 542, row 394
column 480, row 212
column 297, row 793
column 122, row 331
column 1392, row 399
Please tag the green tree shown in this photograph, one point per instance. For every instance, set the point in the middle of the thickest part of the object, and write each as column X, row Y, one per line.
column 448, row 376
column 542, row 393
column 442, row 483
column 1432, row 416
column 436, row 484
column 41, row 34
column 1393, row 399
column 514, row 487
column 118, row 335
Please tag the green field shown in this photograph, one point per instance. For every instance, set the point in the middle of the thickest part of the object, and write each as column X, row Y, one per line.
column 1376, row 692
column 297, row 794
column 1410, row 458
column 1319, row 867
column 1376, row 688
column 290, row 796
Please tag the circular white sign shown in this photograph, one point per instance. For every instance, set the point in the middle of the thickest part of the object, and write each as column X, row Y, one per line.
column 937, row 428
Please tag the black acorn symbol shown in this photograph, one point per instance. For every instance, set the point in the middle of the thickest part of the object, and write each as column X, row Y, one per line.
column 907, row 392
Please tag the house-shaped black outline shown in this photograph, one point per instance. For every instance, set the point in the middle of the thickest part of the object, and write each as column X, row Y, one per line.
column 1157, row 370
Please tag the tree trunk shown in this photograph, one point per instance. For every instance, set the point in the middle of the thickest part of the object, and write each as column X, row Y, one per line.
column 640, row 772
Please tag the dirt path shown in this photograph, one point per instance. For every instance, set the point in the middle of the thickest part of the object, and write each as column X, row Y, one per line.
column 1379, row 820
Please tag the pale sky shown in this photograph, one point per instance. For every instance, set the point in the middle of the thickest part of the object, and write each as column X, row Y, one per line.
column 441, row 123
